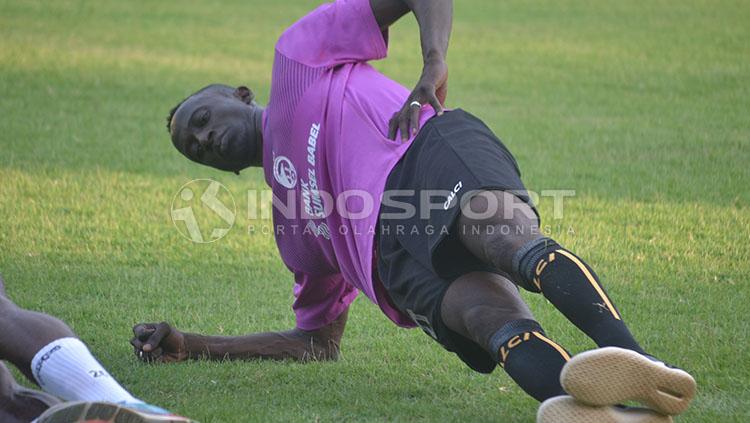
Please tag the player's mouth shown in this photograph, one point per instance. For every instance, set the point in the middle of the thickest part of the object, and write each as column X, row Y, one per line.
column 232, row 143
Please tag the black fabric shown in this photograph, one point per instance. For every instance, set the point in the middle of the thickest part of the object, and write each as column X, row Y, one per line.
column 574, row 289
column 508, row 331
column 531, row 359
column 526, row 259
column 419, row 257
column 418, row 291
column 452, row 148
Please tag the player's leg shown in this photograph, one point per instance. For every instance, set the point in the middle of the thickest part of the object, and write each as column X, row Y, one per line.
column 477, row 314
column 487, row 309
column 510, row 240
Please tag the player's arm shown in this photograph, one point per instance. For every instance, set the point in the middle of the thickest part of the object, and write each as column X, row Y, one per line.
column 159, row 342
column 435, row 19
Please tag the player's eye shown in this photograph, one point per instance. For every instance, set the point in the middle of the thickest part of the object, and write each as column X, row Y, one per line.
column 201, row 117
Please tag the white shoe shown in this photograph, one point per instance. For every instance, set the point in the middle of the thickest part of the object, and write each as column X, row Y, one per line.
column 566, row 409
column 611, row 375
column 102, row 412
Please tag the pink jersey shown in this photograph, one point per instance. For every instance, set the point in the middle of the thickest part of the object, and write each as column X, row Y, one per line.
column 327, row 157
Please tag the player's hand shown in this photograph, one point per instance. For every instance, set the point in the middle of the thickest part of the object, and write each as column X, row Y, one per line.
column 431, row 89
column 158, row 342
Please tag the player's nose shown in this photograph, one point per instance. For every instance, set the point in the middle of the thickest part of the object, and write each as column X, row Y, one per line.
column 206, row 140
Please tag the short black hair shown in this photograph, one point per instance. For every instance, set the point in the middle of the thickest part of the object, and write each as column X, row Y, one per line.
column 171, row 115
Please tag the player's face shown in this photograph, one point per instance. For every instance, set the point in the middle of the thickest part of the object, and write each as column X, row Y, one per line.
column 217, row 127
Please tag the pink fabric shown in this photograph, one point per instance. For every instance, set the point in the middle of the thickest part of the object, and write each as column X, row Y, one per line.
column 325, row 133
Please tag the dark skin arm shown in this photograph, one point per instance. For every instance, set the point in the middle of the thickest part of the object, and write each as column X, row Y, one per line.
column 435, row 18
column 161, row 343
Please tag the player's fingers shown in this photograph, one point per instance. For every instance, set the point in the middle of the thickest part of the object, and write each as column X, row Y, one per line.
column 403, row 125
column 156, row 355
column 144, row 356
column 393, row 127
column 143, row 330
column 442, row 93
column 136, row 343
column 435, row 103
column 138, row 350
column 153, row 341
column 414, row 119
column 152, row 356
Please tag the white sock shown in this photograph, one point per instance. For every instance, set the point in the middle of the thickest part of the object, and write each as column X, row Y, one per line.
column 65, row 368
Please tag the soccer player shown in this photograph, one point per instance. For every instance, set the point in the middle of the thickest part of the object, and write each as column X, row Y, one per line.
column 47, row 352
column 423, row 212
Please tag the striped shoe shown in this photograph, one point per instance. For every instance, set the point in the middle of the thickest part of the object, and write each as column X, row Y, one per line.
column 104, row 412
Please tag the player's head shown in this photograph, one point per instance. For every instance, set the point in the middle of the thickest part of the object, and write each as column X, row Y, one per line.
column 218, row 126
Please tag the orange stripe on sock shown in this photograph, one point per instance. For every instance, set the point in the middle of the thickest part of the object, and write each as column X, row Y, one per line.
column 559, row 349
column 593, row 282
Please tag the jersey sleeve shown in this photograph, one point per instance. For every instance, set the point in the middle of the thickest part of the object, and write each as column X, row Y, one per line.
column 335, row 33
column 319, row 300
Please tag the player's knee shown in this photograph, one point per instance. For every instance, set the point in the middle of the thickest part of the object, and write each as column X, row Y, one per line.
column 494, row 224
column 7, row 308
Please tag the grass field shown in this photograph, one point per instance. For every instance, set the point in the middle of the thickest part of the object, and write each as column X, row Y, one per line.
column 641, row 107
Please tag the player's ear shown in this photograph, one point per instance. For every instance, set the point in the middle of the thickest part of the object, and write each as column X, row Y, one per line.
column 243, row 93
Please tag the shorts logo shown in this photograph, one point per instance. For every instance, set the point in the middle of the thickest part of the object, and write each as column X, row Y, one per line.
column 284, row 172
column 452, row 195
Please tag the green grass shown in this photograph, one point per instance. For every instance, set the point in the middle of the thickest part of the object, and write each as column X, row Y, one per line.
column 639, row 106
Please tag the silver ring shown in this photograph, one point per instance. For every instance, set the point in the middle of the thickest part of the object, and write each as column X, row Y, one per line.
column 140, row 353
column 415, row 103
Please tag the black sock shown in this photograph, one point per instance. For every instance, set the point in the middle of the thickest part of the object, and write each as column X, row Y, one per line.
column 574, row 289
column 532, row 360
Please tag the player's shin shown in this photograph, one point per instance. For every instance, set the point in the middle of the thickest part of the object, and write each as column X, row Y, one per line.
column 531, row 359
column 573, row 288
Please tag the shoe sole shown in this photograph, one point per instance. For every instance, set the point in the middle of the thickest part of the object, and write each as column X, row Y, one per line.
column 565, row 409
column 102, row 412
column 608, row 376
column 33, row 394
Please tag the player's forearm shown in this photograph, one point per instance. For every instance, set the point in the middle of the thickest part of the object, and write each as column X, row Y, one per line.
column 296, row 344
column 435, row 18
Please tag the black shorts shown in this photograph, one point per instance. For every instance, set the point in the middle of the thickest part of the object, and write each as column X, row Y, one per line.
column 419, row 254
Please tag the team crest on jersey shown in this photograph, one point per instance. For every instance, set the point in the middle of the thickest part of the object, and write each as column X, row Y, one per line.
column 284, row 172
